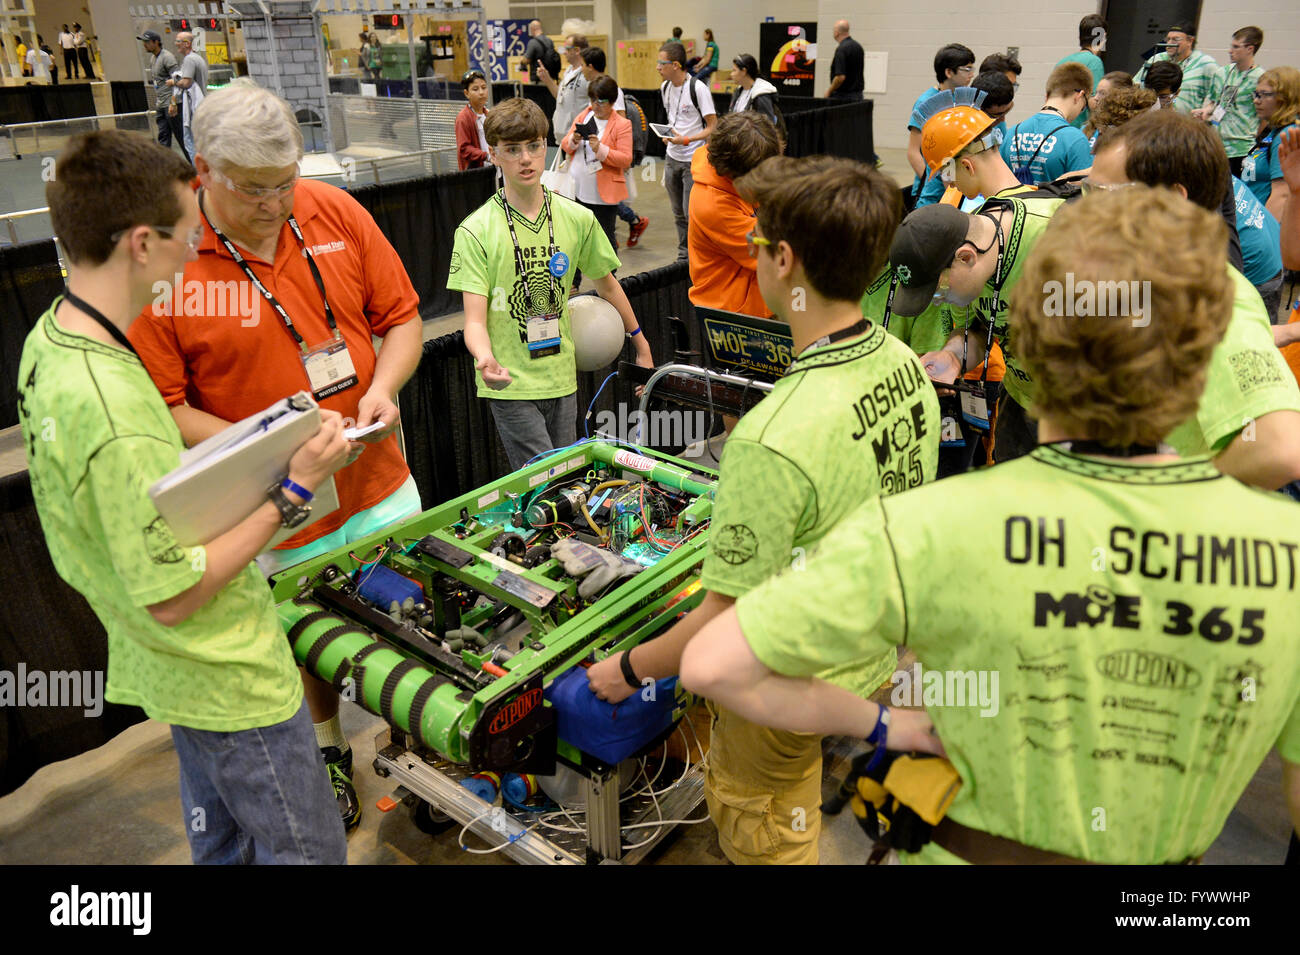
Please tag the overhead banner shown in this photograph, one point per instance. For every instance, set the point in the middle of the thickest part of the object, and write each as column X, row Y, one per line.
column 788, row 56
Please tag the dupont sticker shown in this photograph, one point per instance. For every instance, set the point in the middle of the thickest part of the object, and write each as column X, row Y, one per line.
column 634, row 462
column 491, row 497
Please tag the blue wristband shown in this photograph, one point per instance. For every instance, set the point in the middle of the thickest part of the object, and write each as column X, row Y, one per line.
column 298, row 489
column 880, row 737
column 635, row 332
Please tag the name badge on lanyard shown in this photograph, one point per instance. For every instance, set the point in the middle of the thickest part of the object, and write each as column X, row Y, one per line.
column 329, row 368
column 328, row 365
column 975, row 407
column 542, row 330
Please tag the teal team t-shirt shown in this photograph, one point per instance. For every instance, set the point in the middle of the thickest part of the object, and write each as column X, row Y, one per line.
column 849, row 421
column 1262, row 166
column 98, row 435
column 1095, row 66
column 1048, row 145
column 1122, row 641
column 483, row 262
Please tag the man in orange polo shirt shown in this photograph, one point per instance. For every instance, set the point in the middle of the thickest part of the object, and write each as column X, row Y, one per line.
column 723, row 274
column 292, row 280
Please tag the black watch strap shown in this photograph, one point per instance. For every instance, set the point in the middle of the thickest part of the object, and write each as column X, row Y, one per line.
column 291, row 514
column 629, row 675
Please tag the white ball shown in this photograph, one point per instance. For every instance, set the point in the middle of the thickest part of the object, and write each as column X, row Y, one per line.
column 598, row 335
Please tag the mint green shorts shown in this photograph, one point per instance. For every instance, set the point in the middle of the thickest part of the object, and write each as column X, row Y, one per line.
column 401, row 504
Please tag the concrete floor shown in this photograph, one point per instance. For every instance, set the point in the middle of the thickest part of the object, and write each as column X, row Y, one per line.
column 120, row 803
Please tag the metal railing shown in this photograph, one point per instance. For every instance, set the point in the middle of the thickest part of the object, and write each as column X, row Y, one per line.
column 62, row 128
column 10, row 221
column 430, row 162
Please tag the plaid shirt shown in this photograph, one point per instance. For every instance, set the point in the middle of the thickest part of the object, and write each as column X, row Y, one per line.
column 1199, row 71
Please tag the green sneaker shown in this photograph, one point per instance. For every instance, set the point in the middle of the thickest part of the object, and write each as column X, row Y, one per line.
column 340, row 770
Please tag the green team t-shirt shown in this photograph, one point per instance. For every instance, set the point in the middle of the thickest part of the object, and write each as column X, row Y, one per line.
column 1234, row 90
column 1247, row 378
column 850, row 420
column 1032, row 216
column 926, row 332
column 98, row 434
column 1138, row 620
column 483, row 262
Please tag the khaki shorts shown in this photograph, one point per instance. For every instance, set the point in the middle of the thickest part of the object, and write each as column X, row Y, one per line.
column 763, row 788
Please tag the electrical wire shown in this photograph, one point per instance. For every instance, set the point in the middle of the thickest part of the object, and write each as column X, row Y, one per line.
column 460, row 839
column 586, row 433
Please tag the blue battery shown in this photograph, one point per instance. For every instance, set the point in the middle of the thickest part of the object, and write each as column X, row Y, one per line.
column 382, row 586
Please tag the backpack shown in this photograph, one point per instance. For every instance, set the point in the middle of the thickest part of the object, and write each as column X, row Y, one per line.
column 551, row 60
column 640, row 128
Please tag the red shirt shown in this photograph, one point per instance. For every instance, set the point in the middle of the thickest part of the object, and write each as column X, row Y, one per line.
column 216, row 353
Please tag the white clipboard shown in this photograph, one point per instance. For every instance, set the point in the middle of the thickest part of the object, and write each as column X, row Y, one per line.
column 222, row 480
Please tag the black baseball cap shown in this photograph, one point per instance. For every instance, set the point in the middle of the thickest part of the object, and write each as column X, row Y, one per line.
column 148, row 35
column 923, row 247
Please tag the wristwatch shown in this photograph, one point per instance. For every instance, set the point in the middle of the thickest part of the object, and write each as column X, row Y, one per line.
column 291, row 514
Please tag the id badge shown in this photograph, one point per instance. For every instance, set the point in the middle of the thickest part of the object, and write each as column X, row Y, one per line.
column 975, row 408
column 1248, row 169
column 543, row 335
column 1218, row 114
column 329, row 368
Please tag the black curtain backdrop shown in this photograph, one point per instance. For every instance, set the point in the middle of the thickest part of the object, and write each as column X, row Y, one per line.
column 834, row 131
column 39, row 104
column 419, row 217
column 130, row 97
column 44, row 625
column 29, row 280
column 451, row 438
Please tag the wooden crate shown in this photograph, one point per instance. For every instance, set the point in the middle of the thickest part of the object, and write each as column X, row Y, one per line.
column 635, row 63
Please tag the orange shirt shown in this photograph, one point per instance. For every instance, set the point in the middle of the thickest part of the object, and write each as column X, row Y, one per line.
column 1292, row 352
column 722, row 273
column 224, row 350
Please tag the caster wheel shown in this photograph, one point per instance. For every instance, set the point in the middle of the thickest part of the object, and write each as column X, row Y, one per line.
column 429, row 821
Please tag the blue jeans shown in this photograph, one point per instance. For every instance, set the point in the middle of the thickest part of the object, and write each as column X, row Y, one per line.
column 260, row 796
column 627, row 213
column 704, row 73
column 188, row 139
column 530, row 428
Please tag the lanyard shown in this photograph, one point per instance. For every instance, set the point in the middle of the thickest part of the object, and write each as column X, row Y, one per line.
column 889, row 302
column 682, row 93
column 551, row 250
column 266, row 293
column 98, row 316
column 998, row 280
column 857, row 328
